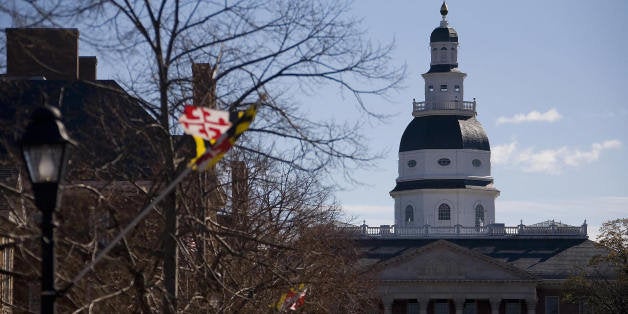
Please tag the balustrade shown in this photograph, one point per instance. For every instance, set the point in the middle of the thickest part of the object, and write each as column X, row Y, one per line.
column 491, row 230
column 465, row 107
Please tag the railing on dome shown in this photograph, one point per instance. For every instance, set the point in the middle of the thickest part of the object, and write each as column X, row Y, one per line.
column 458, row 231
column 420, row 108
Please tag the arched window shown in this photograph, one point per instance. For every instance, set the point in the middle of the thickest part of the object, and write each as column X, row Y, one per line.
column 479, row 215
column 443, row 48
column 409, row 214
column 444, row 212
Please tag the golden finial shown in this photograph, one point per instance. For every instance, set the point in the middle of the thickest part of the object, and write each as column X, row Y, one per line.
column 443, row 9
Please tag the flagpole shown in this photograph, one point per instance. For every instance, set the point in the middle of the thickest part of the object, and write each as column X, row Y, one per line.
column 126, row 229
column 195, row 164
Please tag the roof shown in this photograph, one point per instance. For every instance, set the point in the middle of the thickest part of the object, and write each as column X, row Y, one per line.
column 444, row 132
column 444, row 34
column 439, row 184
column 544, row 257
column 117, row 138
column 549, row 223
column 441, row 68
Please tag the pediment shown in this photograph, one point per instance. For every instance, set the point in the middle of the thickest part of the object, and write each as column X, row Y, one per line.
column 443, row 260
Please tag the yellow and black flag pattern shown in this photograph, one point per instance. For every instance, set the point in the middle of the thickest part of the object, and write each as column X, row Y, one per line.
column 219, row 145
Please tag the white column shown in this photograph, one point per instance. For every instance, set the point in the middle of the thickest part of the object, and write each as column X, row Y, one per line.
column 495, row 305
column 459, row 305
column 531, row 304
column 388, row 303
column 423, row 303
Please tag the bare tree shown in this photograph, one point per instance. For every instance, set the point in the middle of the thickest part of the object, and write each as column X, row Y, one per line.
column 271, row 47
column 603, row 285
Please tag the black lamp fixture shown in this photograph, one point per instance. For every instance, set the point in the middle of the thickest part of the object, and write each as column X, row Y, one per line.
column 44, row 149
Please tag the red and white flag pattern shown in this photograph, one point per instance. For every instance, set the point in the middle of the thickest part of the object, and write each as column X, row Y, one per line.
column 204, row 122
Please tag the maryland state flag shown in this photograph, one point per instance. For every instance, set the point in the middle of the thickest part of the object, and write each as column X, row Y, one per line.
column 220, row 128
column 292, row 299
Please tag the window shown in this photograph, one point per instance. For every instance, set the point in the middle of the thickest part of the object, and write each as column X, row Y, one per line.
column 513, row 307
column 411, row 163
column 551, row 305
column 412, row 308
column 479, row 215
column 409, row 214
column 431, row 88
column 443, row 88
column 444, row 212
column 444, row 162
column 434, row 49
column 476, row 163
column 470, row 307
column 444, row 48
column 457, row 88
column 441, row 307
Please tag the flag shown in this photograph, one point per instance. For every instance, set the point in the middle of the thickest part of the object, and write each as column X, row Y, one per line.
column 300, row 300
column 292, row 300
column 286, row 299
column 205, row 123
column 220, row 138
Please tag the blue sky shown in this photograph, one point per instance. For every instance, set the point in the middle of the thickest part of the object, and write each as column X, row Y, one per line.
column 549, row 78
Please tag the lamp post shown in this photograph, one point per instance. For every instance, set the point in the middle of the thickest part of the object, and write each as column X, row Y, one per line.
column 44, row 149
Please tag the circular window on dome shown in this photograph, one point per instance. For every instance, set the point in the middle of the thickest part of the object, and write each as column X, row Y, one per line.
column 444, row 161
column 476, row 163
column 411, row 163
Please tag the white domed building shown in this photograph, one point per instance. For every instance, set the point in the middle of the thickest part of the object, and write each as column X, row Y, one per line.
column 444, row 155
column 446, row 254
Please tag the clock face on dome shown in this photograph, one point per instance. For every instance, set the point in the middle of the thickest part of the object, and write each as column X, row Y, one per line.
column 411, row 163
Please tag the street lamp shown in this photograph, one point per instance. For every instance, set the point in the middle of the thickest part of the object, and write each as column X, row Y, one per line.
column 44, row 149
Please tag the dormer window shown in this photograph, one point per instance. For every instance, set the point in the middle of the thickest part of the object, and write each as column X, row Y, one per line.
column 430, row 88
column 443, row 88
column 457, row 88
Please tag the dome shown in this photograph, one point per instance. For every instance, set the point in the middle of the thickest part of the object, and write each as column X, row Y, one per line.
column 444, row 34
column 444, row 132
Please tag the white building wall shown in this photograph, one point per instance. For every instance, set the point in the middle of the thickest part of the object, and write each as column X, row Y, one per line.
column 462, row 203
column 426, row 165
column 451, row 79
column 448, row 55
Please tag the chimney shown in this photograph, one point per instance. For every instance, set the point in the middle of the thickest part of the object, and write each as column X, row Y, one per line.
column 87, row 68
column 203, row 85
column 240, row 187
column 48, row 52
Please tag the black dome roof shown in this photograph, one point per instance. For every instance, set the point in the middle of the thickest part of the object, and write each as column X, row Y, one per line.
column 446, row 34
column 444, row 132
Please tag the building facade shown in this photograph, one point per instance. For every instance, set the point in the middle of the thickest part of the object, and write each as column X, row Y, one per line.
column 446, row 253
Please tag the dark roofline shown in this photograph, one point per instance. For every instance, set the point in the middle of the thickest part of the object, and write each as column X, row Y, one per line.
column 443, row 68
column 439, row 184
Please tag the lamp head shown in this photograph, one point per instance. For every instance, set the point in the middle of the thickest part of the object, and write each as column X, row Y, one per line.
column 44, row 146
